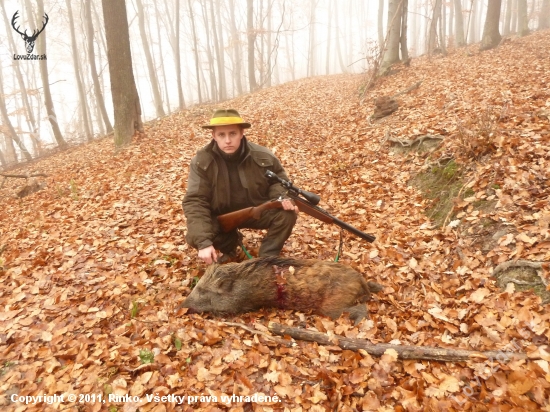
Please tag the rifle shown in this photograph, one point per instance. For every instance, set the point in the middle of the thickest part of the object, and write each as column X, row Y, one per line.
column 306, row 202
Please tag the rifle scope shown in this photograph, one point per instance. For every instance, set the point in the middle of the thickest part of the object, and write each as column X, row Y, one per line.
column 312, row 198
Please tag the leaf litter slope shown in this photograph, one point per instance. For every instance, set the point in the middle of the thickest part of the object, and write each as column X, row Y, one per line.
column 107, row 235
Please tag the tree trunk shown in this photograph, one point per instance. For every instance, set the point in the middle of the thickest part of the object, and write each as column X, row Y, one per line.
column 26, row 102
column 269, row 70
column 161, row 54
column 195, row 49
column 290, row 55
column 91, row 57
column 514, row 23
column 380, row 25
column 177, row 57
column 329, row 19
column 260, row 58
column 219, row 49
column 507, row 18
column 48, row 101
column 403, row 39
column 123, row 87
column 251, row 40
column 451, row 22
column 343, row 67
column 491, row 35
column 459, row 24
column 149, row 58
column 3, row 161
column 311, row 47
column 544, row 16
column 11, row 133
column 213, row 81
column 472, row 18
column 235, row 41
column 523, row 19
column 436, row 16
column 443, row 28
column 77, row 72
column 391, row 53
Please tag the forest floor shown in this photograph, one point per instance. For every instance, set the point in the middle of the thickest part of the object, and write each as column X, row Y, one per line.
column 94, row 266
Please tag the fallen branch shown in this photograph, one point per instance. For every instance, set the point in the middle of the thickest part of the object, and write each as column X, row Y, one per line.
column 280, row 341
column 407, row 90
column 404, row 352
column 24, row 176
column 6, row 176
column 419, row 140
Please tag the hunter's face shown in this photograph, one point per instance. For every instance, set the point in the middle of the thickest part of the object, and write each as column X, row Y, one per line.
column 228, row 138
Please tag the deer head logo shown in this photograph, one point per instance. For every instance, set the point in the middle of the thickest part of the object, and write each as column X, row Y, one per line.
column 29, row 40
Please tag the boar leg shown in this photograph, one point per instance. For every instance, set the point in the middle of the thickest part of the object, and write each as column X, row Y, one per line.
column 356, row 313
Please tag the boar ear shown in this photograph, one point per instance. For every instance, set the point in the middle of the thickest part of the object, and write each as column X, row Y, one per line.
column 224, row 283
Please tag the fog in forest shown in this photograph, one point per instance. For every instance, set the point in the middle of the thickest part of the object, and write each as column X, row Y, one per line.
column 187, row 52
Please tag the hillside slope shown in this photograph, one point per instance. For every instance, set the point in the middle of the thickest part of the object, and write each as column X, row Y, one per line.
column 94, row 266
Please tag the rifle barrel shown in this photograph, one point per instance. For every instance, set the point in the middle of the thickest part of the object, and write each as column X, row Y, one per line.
column 326, row 217
column 366, row 236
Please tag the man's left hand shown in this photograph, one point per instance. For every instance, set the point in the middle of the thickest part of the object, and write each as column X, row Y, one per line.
column 288, row 205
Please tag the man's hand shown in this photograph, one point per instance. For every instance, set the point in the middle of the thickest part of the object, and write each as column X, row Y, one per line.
column 288, row 205
column 208, row 255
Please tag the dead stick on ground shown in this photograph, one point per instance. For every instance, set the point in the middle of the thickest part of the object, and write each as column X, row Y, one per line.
column 414, row 86
column 259, row 332
column 24, row 176
column 404, row 352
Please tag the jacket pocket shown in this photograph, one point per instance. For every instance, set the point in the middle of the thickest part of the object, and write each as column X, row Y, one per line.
column 263, row 161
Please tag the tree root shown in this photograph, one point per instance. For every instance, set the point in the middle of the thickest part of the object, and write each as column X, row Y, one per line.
column 521, row 263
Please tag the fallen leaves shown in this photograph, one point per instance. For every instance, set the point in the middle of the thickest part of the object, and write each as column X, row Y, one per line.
column 96, row 264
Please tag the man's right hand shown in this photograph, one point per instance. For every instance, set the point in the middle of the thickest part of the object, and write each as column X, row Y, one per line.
column 208, row 255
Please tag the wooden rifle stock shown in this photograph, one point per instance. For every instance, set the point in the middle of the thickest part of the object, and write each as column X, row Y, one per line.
column 233, row 220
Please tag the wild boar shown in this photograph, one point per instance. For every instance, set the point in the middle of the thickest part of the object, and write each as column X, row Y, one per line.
column 327, row 288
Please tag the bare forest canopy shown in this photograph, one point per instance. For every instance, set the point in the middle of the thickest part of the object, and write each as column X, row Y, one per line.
column 445, row 160
column 186, row 52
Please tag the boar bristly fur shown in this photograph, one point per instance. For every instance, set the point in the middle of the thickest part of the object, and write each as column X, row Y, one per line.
column 327, row 288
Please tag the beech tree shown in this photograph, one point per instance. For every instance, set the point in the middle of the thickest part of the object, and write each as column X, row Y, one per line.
column 381, row 24
column 195, row 49
column 434, row 41
column 123, row 87
column 33, row 126
column 393, row 40
column 491, row 35
column 544, row 15
column 237, row 52
column 78, row 77
column 48, row 101
column 149, row 59
column 251, row 40
column 459, row 24
column 10, row 134
column 93, row 70
column 523, row 18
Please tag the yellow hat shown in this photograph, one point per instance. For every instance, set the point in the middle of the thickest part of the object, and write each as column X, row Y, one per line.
column 226, row 117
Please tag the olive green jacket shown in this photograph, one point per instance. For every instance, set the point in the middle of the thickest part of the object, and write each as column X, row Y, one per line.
column 208, row 193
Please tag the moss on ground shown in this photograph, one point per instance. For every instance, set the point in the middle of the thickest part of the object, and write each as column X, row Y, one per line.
column 524, row 278
column 441, row 184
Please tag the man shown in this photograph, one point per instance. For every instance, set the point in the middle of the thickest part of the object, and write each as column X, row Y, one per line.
column 228, row 175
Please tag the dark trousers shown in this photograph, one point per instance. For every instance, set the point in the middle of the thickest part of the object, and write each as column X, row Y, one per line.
column 278, row 222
